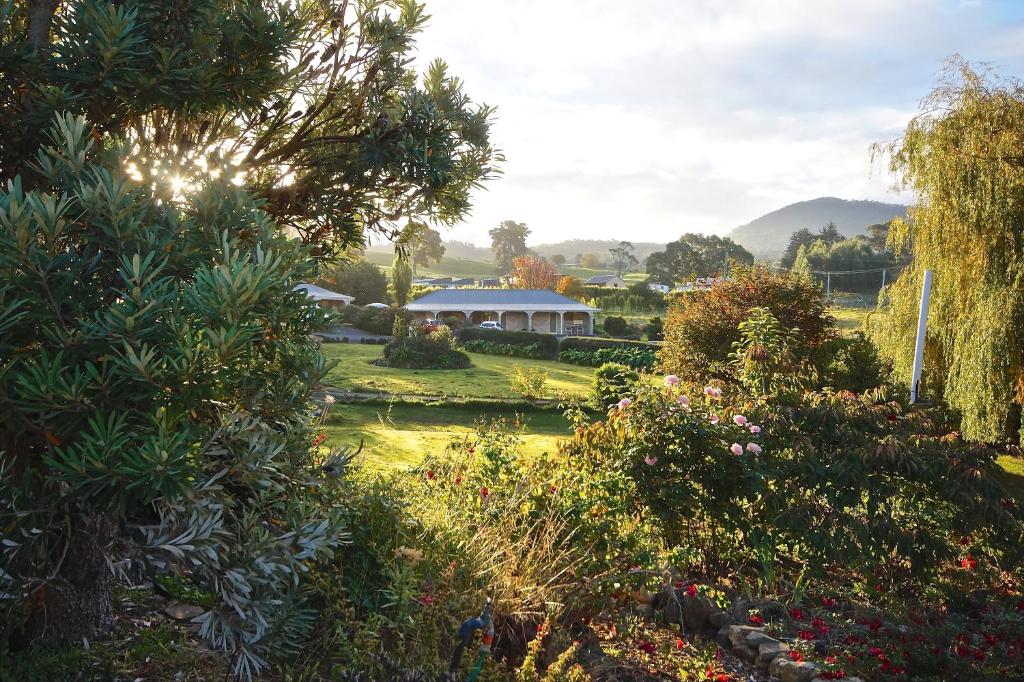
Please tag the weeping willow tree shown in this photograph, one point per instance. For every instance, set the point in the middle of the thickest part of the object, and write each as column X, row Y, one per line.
column 963, row 157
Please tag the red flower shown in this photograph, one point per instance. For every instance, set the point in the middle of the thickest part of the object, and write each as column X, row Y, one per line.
column 458, row 480
column 962, row 650
column 830, row 659
column 426, row 599
column 756, row 619
column 431, row 475
column 966, row 540
column 484, row 492
column 472, row 450
column 805, row 635
column 691, row 590
column 795, row 655
column 875, row 651
column 829, row 602
column 980, row 655
column 969, row 562
column 646, row 647
column 680, row 644
column 721, row 677
column 796, row 614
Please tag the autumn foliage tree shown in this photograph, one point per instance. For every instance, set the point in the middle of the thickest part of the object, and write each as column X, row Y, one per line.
column 534, row 272
column 702, row 326
column 571, row 287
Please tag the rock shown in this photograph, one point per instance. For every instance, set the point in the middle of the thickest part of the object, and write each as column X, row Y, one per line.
column 773, row 667
column 756, row 638
column 673, row 610
column 792, row 671
column 719, row 619
column 738, row 633
column 769, row 651
column 696, row 611
column 184, row 611
column 745, row 653
column 845, row 679
column 722, row 637
column 740, row 609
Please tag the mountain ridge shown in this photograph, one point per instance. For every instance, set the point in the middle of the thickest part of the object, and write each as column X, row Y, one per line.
column 767, row 235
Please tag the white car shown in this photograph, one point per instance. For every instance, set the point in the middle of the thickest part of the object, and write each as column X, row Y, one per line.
column 490, row 324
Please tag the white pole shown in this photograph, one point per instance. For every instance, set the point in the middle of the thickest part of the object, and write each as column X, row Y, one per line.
column 922, row 324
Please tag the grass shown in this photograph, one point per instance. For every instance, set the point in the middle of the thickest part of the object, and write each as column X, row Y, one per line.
column 1012, row 476
column 850, row 320
column 402, row 434
column 489, row 377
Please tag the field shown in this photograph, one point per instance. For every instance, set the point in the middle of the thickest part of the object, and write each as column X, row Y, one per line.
column 489, row 377
column 401, row 434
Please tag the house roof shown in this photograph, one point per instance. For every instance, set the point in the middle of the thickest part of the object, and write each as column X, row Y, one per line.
column 602, row 279
column 320, row 294
column 497, row 299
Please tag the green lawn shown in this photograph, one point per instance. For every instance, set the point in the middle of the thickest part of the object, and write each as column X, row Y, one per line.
column 1012, row 476
column 850, row 320
column 402, row 434
column 489, row 377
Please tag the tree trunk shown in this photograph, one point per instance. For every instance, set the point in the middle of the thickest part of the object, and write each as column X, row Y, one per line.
column 40, row 17
column 75, row 605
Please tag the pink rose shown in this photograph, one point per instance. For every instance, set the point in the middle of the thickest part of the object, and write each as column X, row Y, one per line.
column 739, row 420
column 651, row 460
column 671, row 380
column 683, row 400
column 754, row 447
column 713, row 418
column 755, row 429
column 624, row 403
column 736, row 449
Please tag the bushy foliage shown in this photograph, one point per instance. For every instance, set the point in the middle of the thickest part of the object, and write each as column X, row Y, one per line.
column 615, row 325
column 613, row 381
column 155, row 403
column 591, row 343
column 362, row 280
column 635, row 357
column 507, row 349
column 835, row 478
column 546, row 343
column 529, row 382
column 416, row 350
column 571, row 287
column 375, row 320
column 852, row 363
column 701, row 327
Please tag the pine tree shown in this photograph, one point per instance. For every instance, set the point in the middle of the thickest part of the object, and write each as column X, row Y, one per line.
column 156, row 366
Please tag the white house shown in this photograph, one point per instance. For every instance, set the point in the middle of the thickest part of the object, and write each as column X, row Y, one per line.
column 324, row 297
column 538, row 310
column 660, row 288
column 609, row 281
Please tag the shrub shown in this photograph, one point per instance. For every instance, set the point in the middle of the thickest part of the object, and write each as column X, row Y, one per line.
column 507, row 349
column 635, row 357
column 615, row 326
column 156, row 413
column 701, row 327
column 379, row 320
column 547, row 344
column 852, row 364
column 416, row 350
column 591, row 343
column 612, row 383
column 529, row 382
column 654, row 329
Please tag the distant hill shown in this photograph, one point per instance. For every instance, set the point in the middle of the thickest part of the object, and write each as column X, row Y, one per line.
column 573, row 247
column 767, row 236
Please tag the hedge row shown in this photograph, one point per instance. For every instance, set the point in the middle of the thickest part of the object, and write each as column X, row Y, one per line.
column 590, row 343
column 636, row 358
column 508, row 349
column 547, row 344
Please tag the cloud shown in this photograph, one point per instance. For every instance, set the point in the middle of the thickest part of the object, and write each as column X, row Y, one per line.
column 656, row 117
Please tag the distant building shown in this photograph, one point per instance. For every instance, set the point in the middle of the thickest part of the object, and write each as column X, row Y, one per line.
column 490, row 282
column 324, row 297
column 609, row 281
column 377, row 305
column 539, row 310
column 700, row 284
column 660, row 288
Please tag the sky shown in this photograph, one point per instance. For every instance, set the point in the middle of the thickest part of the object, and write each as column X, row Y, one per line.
column 646, row 119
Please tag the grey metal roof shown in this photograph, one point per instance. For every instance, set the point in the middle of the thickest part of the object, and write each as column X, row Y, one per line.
column 600, row 279
column 496, row 298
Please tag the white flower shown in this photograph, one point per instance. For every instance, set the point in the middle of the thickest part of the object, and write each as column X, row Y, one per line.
column 329, row 399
